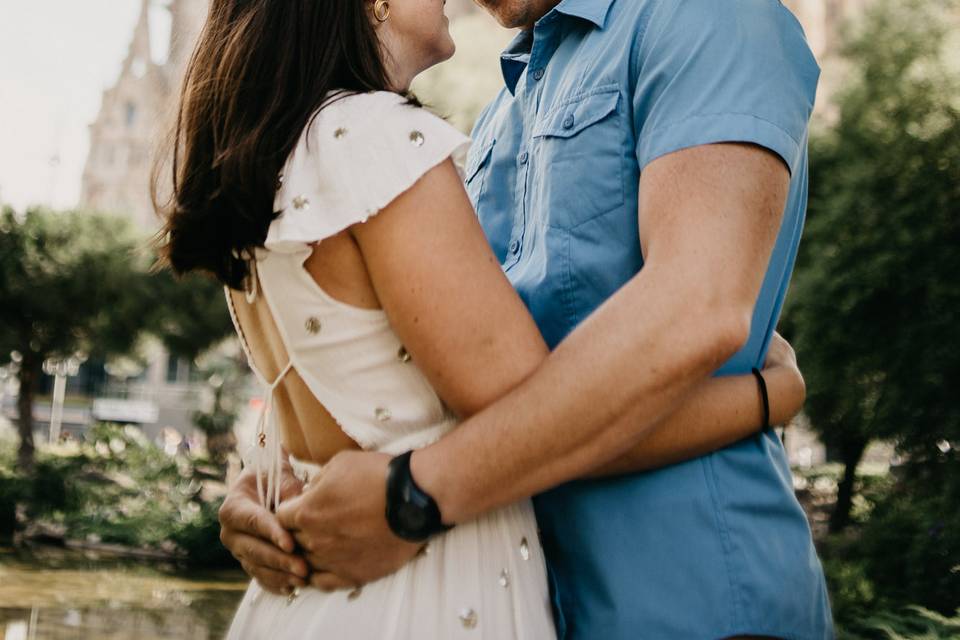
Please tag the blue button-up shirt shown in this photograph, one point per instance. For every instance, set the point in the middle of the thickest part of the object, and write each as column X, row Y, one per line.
column 598, row 89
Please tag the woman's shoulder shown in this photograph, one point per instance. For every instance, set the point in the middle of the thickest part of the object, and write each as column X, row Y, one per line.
column 361, row 101
column 374, row 113
column 380, row 130
column 357, row 155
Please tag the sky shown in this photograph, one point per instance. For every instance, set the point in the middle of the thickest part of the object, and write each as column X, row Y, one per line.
column 56, row 58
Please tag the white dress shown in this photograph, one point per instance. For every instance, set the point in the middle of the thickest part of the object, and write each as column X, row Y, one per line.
column 484, row 579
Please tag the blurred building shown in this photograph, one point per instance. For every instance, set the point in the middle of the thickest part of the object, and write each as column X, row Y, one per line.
column 133, row 115
column 137, row 110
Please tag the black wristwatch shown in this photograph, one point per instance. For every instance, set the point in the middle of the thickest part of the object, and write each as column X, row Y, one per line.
column 411, row 513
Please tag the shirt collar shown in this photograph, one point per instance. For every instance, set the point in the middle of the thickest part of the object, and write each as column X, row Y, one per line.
column 595, row 11
column 515, row 57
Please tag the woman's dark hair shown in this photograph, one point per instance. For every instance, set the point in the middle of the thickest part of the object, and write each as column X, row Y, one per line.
column 260, row 71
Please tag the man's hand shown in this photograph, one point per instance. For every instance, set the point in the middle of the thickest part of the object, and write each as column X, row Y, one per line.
column 340, row 522
column 254, row 535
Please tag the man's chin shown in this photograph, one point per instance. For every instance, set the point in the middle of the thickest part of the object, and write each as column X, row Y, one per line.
column 502, row 14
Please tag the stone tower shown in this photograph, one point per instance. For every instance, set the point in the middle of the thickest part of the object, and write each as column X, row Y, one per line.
column 133, row 116
column 187, row 17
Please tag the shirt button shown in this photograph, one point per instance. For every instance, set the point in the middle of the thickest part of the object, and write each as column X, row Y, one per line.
column 524, row 157
column 568, row 122
column 538, row 74
column 515, row 246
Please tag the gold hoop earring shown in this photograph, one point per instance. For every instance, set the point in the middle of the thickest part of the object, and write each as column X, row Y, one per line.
column 381, row 10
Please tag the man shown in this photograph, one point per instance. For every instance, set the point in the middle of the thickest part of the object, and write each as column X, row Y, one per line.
column 683, row 123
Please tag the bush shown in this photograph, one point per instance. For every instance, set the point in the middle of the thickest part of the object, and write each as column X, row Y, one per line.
column 910, row 623
column 118, row 487
column 12, row 490
column 911, row 543
column 199, row 538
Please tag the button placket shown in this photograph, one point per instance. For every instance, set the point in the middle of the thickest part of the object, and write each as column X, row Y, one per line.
column 544, row 44
column 514, row 249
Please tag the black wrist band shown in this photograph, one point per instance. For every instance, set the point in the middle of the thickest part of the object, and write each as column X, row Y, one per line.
column 411, row 512
column 763, row 394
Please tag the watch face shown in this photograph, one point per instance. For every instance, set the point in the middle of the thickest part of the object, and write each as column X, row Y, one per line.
column 412, row 517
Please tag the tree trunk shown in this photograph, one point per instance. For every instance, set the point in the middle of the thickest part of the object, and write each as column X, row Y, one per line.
column 29, row 376
column 850, row 454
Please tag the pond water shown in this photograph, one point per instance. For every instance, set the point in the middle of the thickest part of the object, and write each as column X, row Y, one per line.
column 59, row 594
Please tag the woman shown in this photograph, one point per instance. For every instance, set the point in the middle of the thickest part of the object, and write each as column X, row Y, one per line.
column 312, row 185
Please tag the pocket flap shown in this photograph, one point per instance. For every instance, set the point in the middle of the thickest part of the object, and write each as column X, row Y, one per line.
column 570, row 119
column 476, row 160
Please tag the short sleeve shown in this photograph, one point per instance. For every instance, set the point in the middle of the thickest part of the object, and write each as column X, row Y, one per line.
column 358, row 154
column 723, row 71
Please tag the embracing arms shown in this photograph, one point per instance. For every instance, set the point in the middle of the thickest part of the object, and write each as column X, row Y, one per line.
column 473, row 338
column 591, row 408
column 710, row 216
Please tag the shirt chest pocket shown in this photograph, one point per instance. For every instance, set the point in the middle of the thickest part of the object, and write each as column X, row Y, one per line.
column 478, row 164
column 577, row 172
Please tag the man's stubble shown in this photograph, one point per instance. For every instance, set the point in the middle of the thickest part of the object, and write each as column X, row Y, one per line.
column 517, row 14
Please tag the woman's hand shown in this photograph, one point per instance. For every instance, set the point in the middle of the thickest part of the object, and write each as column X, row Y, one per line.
column 785, row 384
column 780, row 354
column 722, row 411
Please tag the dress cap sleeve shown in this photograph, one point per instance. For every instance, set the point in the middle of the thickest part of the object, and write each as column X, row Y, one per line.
column 358, row 154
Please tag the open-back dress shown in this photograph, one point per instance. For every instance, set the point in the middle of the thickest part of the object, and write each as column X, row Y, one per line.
column 484, row 579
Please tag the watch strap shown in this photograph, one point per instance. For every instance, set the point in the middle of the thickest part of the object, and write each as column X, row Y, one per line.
column 411, row 512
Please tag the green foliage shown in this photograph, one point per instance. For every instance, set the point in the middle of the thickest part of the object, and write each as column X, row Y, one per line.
column 873, row 316
column 118, row 487
column 13, row 489
column 191, row 312
column 875, row 300
column 903, row 549
column 68, row 282
column 225, row 373
column 910, row 546
column 80, row 282
column 909, row 623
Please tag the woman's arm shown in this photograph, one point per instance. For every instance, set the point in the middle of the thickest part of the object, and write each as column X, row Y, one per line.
column 467, row 329
column 718, row 413
column 445, row 294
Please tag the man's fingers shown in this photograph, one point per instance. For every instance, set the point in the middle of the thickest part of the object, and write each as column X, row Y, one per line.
column 263, row 554
column 249, row 517
column 329, row 582
column 273, row 581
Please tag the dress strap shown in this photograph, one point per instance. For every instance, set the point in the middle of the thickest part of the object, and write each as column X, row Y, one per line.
column 267, row 428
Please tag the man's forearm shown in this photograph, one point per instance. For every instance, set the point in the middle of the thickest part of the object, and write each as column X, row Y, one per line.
column 710, row 216
column 717, row 413
column 641, row 353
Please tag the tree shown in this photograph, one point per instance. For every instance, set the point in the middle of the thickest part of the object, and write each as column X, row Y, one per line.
column 192, row 319
column 875, row 304
column 191, row 312
column 69, row 282
column 225, row 373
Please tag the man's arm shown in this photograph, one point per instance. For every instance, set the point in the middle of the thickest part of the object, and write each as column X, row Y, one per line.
column 710, row 216
column 718, row 413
